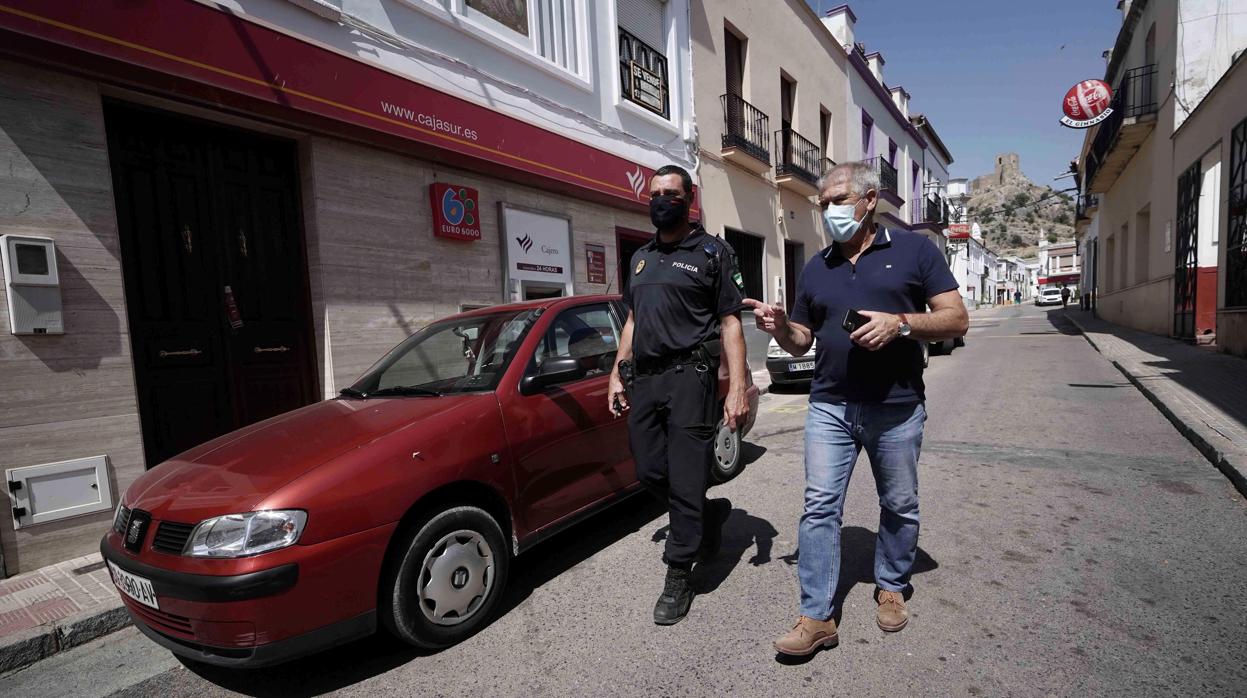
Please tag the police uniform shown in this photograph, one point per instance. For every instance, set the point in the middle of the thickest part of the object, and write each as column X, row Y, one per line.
column 677, row 294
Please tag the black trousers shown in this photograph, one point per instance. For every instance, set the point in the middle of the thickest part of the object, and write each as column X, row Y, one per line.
column 671, row 426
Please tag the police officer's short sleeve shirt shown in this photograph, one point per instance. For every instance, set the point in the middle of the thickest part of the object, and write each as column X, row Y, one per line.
column 677, row 293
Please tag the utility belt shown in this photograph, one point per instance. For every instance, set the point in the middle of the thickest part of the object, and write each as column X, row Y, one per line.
column 704, row 358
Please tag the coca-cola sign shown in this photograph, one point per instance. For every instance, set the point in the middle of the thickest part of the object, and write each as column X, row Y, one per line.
column 1087, row 104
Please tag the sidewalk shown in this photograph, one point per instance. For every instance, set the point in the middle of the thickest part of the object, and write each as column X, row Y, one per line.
column 55, row 608
column 1202, row 392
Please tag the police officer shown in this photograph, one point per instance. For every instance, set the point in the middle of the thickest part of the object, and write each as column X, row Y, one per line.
column 684, row 300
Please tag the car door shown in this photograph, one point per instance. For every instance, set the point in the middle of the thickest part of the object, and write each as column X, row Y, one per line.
column 569, row 450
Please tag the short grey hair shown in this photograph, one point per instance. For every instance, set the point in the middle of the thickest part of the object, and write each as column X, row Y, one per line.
column 863, row 176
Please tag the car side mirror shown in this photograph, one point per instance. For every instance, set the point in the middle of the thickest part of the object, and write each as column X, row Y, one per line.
column 552, row 371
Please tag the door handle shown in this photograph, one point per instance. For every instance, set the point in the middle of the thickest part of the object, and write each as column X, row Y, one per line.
column 272, row 350
column 180, row 352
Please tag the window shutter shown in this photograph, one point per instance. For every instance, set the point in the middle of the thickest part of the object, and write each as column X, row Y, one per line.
column 644, row 20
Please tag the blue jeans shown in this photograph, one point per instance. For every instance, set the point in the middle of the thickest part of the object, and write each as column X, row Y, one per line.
column 834, row 434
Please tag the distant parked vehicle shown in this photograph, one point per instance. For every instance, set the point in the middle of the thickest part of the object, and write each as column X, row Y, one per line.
column 1049, row 296
column 786, row 369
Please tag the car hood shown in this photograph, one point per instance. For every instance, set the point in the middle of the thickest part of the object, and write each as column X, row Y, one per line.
column 237, row 471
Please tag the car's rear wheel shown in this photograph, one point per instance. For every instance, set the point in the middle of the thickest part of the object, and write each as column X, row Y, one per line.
column 444, row 578
column 727, row 460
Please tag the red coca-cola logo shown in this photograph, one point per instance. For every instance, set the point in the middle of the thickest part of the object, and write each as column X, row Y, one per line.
column 1087, row 103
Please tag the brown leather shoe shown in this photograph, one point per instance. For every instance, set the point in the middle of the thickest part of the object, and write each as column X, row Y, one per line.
column 891, row 615
column 807, row 636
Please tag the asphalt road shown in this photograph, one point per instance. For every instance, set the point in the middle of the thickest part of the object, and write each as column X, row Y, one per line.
column 1073, row 543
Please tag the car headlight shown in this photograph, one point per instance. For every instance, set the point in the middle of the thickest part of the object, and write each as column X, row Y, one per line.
column 775, row 351
column 238, row 535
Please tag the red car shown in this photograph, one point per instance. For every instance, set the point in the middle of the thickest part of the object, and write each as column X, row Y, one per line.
column 401, row 502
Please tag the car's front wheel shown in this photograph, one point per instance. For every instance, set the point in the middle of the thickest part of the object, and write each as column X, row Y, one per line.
column 727, row 460
column 444, row 578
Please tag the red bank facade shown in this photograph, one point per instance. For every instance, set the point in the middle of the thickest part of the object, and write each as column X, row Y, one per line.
column 250, row 202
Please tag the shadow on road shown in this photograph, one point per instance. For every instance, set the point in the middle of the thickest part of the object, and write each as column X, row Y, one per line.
column 349, row 664
column 1062, row 324
column 857, row 566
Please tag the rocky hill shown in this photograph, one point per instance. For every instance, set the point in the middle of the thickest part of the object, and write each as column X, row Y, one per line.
column 1014, row 212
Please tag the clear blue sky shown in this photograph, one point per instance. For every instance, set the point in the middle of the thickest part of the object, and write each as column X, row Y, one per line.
column 990, row 74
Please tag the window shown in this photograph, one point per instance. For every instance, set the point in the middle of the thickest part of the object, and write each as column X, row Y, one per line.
column 734, row 62
column 643, row 76
column 892, row 152
column 512, row 14
column 824, row 132
column 548, row 29
column 1110, row 266
column 868, row 136
column 1236, row 236
column 1142, row 241
column 589, row 334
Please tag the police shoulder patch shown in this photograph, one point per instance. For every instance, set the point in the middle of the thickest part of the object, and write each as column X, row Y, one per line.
column 639, row 266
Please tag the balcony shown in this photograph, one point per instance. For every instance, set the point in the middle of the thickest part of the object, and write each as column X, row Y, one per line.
column 929, row 213
column 887, row 174
column 798, row 167
column 744, row 134
column 1123, row 132
column 935, row 210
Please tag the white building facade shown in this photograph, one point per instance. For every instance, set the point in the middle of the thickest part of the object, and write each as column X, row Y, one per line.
column 341, row 172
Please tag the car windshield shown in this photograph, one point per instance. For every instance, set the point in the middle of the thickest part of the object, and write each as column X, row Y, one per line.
column 452, row 356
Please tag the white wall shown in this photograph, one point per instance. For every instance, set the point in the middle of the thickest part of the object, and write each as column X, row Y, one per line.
column 1209, row 32
column 421, row 40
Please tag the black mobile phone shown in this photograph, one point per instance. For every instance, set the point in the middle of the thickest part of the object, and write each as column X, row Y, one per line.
column 853, row 320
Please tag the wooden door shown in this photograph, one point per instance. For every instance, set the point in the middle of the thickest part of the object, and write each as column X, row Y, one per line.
column 184, row 191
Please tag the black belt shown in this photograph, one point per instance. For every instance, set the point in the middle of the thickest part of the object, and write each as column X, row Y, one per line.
column 665, row 363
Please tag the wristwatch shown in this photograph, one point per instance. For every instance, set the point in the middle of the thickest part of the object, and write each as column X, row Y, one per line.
column 905, row 329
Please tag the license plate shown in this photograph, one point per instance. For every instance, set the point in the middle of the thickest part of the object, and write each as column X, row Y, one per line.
column 801, row 366
column 134, row 586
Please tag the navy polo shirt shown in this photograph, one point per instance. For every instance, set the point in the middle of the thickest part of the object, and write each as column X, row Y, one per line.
column 896, row 274
column 679, row 292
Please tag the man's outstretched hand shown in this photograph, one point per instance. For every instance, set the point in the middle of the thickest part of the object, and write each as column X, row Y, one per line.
column 771, row 319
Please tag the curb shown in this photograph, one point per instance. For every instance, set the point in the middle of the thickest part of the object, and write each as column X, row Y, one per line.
column 27, row 647
column 1232, row 471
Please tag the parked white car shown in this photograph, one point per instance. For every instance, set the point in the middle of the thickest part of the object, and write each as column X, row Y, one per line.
column 1049, row 296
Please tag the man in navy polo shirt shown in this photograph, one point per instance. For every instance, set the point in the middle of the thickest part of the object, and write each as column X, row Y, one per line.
column 867, row 391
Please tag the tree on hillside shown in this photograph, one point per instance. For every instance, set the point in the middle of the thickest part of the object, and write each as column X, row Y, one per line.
column 1016, row 240
column 1062, row 218
column 1052, row 238
column 1020, row 199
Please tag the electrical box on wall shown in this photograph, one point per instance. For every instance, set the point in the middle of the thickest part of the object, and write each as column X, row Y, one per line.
column 32, row 285
column 54, row 491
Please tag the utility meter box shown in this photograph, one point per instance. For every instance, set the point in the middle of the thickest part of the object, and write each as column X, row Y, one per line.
column 32, row 285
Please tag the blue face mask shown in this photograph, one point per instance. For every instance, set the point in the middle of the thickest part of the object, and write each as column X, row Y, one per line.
column 839, row 222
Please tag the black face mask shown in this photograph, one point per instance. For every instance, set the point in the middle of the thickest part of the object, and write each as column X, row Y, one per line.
column 667, row 211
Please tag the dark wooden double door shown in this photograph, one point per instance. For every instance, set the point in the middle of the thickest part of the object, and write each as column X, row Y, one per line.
column 215, row 275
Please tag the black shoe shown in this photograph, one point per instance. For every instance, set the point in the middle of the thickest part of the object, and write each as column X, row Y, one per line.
column 677, row 597
column 717, row 511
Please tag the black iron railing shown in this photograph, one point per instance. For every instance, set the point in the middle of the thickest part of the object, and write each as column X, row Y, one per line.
column 825, row 165
column 797, row 156
column 1086, row 202
column 887, row 173
column 1135, row 96
column 935, row 209
column 745, row 127
column 1236, row 250
column 643, row 74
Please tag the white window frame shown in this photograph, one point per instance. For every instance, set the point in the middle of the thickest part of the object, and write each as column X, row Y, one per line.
column 671, row 123
column 456, row 14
